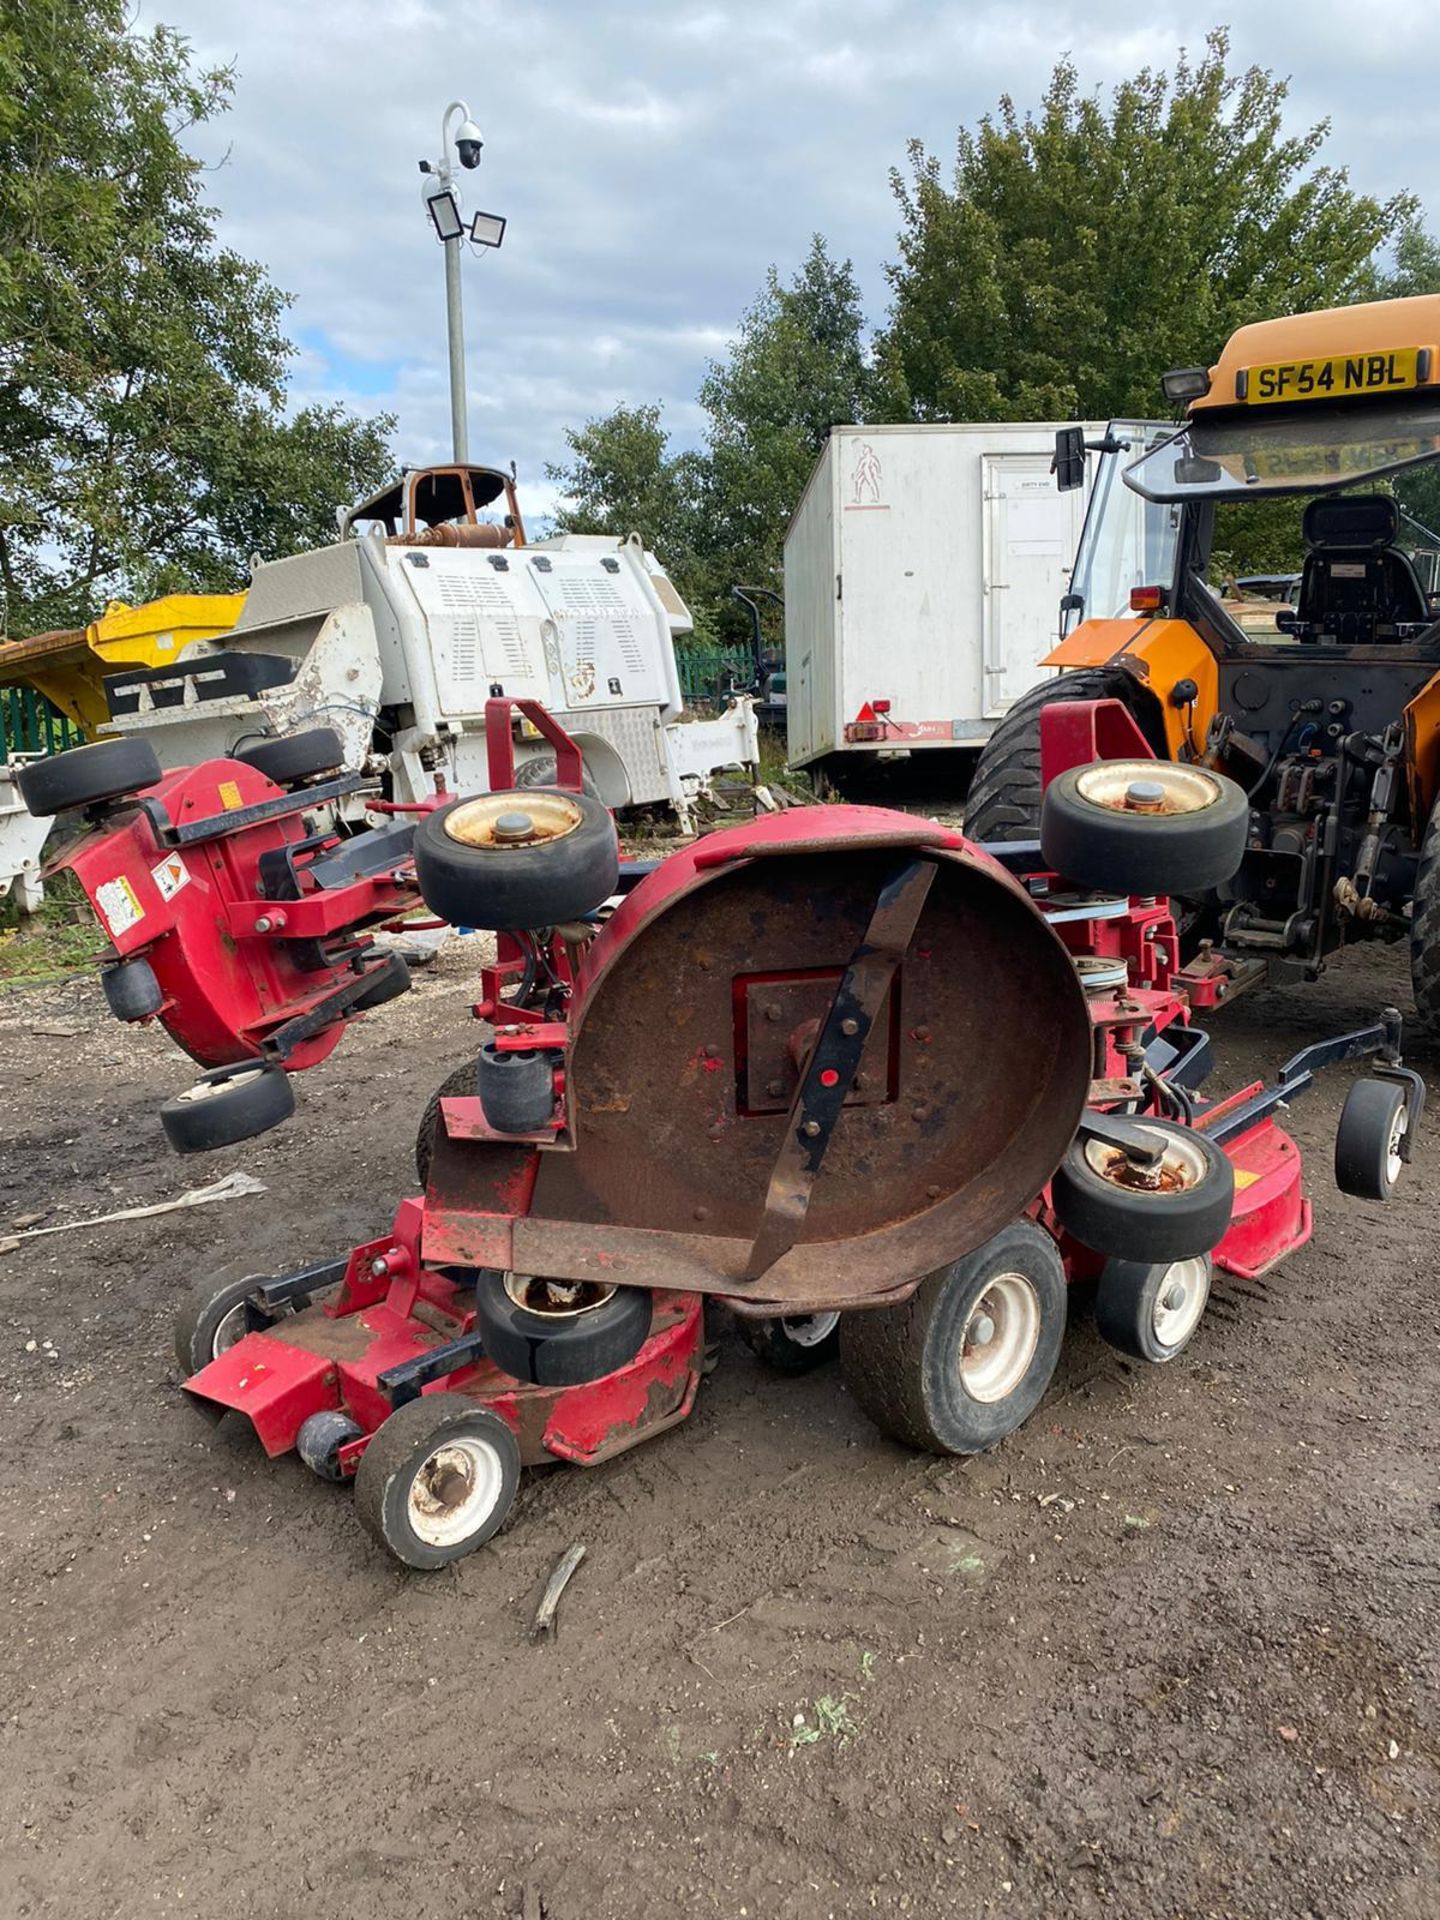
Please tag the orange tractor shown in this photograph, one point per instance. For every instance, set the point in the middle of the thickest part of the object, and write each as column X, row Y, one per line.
column 1318, row 693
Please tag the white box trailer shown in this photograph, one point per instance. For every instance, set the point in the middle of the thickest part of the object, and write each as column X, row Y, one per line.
column 924, row 568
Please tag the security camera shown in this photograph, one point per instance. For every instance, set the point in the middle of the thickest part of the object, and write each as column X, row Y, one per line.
column 468, row 143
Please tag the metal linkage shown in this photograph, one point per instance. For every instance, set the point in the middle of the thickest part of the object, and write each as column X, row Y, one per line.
column 290, row 1289
column 1381, row 1040
column 835, row 1060
column 217, row 826
column 404, row 1382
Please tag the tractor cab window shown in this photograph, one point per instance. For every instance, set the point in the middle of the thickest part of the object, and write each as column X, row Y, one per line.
column 1126, row 540
column 1237, row 455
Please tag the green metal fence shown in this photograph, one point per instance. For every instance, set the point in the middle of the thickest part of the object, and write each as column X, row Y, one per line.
column 706, row 672
column 29, row 724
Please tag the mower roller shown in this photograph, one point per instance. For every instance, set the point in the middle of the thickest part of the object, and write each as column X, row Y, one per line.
column 876, row 1087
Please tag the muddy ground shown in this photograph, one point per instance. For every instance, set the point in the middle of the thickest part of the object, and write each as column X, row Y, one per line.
column 801, row 1672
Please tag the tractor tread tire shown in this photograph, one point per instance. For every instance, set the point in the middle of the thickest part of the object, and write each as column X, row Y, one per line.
column 1425, row 931
column 1004, row 798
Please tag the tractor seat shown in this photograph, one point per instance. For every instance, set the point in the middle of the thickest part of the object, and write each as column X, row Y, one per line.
column 1357, row 585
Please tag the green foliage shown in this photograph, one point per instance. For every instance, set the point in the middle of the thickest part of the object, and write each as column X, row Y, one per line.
column 1078, row 252
column 143, row 440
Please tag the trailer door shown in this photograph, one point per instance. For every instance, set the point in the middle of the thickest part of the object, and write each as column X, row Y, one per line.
column 1031, row 530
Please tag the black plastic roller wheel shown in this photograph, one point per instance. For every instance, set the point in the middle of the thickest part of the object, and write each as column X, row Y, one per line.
column 131, row 990
column 294, row 756
column 226, row 1105
column 796, row 1343
column 1144, row 826
column 106, row 770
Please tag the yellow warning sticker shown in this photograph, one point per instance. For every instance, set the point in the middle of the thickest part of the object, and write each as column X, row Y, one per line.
column 1244, row 1177
column 230, row 796
column 119, row 908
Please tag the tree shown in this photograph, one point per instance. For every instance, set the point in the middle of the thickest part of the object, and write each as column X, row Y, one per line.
column 624, row 479
column 143, row 436
column 796, row 369
column 1080, row 251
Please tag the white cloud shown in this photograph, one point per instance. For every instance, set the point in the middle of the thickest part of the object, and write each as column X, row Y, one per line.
column 654, row 157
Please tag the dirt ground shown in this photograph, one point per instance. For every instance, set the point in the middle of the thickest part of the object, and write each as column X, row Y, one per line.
column 1171, row 1652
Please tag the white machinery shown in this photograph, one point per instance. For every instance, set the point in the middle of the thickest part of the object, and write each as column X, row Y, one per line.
column 22, row 837
column 398, row 634
column 923, row 566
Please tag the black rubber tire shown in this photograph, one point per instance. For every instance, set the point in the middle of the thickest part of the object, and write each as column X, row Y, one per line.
column 540, row 771
column 208, row 1322
column 461, row 1084
column 513, row 889
column 294, row 756
column 395, row 1457
column 250, row 1098
column 389, row 983
column 1129, row 1223
column 774, row 1341
column 551, row 1351
column 1425, row 931
column 131, row 990
column 1004, row 798
column 320, row 1439
column 1125, row 1301
column 1145, row 853
column 105, row 770
column 1363, row 1139
column 517, row 1089
column 903, row 1363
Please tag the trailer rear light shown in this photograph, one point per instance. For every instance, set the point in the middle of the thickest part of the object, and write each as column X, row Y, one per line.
column 1147, row 599
column 880, row 706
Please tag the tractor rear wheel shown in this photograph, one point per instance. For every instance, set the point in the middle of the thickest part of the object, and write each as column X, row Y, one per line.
column 1425, row 931
column 1004, row 798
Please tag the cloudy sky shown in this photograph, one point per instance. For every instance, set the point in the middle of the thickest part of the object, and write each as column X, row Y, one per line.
column 653, row 158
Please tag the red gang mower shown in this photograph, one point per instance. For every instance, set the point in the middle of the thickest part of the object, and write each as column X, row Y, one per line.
column 884, row 1091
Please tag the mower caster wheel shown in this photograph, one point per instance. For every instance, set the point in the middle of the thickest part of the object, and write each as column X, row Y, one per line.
column 83, row 777
column 294, row 756
column 1151, row 1313
column 212, row 1321
column 1144, row 826
column 559, row 1333
column 516, row 860
column 131, row 990
column 1104, row 1201
column 320, row 1439
column 438, row 1479
column 461, row 1084
column 228, row 1104
column 1369, row 1141
column 967, row 1358
column 387, row 982
column 796, row 1343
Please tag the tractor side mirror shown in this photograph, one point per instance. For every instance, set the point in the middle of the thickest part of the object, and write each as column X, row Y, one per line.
column 1068, row 465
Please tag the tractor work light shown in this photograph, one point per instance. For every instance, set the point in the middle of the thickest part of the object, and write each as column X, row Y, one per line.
column 444, row 210
column 1186, row 383
column 487, row 229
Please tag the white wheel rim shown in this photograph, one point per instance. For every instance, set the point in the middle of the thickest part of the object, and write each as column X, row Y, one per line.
column 455, row 1490
column 1179, row 789
column 809, row 1329
column 1182, row 1167
column 230, row 1330
column 999, row 1338
column 1180, row 1301
column 207, row 1089
column 1394, row 1164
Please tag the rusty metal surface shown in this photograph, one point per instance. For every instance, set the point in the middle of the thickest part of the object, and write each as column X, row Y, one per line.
column 991, row 1068
column 848, row 1021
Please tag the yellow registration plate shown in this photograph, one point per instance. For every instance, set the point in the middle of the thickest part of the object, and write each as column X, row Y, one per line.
column 1335, row 379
